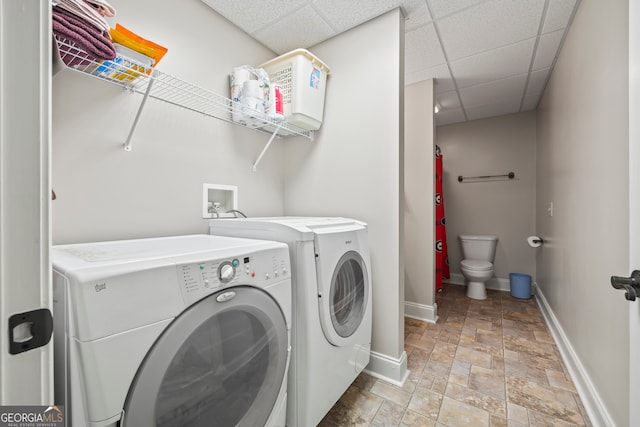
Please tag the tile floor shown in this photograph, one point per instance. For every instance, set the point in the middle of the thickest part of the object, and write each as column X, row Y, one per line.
column 484, row 363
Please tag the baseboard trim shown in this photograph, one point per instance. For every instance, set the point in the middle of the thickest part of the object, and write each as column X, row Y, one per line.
column 386, row 368
column 597, row 412
column 496, row 283
column 426, row 313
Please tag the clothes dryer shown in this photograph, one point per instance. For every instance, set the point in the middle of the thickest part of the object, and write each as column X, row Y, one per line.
column 175, row 331
column 331, row 332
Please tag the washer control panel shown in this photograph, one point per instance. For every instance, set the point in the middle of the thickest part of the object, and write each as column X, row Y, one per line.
column 199, row 279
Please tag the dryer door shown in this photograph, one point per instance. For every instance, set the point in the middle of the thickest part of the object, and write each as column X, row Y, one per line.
column 343, row 282
column 222, row 362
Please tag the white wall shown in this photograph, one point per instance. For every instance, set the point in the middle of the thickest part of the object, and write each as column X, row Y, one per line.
column 504, row 208
column 105, row 193
column 419, row 193
column 582, row 166
column 354, row 167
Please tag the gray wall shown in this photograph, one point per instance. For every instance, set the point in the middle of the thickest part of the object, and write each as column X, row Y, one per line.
column 504, row 208
column 354, row 167
column 582, row 166
column 105, row 193
column 419, row 212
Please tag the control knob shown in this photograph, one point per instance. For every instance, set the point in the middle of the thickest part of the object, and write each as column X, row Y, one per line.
column 226, row 272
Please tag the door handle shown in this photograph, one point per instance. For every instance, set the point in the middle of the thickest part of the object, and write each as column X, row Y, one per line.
column 630, row 284
column 30, row 330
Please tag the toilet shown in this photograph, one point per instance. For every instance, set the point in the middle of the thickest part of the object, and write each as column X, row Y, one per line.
column 478, row 253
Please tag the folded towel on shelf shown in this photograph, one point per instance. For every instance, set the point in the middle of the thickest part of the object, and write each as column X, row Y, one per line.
column 85, row 10
column 103, row 8
column 84, row 36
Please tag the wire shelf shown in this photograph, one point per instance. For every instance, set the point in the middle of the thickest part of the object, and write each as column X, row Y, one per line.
column 155, row 84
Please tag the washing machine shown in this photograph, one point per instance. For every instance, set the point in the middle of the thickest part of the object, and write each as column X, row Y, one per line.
column 331, row 332
column 173, row 331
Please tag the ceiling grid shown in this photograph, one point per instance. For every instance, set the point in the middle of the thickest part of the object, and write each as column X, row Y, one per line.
column 488, row 57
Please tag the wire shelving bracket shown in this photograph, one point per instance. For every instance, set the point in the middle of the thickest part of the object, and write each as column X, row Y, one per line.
column 164, row 87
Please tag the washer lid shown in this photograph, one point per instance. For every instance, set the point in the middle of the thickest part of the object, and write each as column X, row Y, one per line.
column 282, row 229
column 475, row 264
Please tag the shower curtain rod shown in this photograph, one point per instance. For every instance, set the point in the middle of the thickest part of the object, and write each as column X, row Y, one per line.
column 509, row 175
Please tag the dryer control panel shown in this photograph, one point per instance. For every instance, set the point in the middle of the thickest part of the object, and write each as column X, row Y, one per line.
column 199, row 279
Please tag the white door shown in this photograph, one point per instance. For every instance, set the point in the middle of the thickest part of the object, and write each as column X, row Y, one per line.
column 26, row 355
column 634, row 206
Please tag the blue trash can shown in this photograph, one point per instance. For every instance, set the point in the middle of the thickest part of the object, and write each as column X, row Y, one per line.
column 520, row 285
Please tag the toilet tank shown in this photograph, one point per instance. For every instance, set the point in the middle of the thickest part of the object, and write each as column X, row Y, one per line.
column 478, row 247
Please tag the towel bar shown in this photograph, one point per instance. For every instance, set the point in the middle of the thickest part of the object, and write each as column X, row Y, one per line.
column 509, row 175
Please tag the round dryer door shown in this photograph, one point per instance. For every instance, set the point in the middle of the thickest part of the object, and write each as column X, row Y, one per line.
column 347, row 302
column 222, row 362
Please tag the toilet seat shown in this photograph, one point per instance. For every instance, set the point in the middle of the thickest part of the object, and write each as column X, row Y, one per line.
column 477, row 265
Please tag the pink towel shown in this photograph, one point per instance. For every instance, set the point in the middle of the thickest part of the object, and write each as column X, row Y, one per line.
column 84, row 36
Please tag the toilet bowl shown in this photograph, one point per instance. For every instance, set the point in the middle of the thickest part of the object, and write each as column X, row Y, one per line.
column 478, row 253
column 477, row 273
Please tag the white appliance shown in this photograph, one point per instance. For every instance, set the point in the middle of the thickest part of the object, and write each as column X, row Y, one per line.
column 175, row 331
column 331, row 332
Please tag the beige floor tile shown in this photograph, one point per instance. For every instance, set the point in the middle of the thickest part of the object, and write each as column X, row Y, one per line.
column 517, row 413
column 391, row 393
column 497, row 421
column 483, row 363
column 356, row 408
column 427, row 403
column 473, row 357
column 420, row 341
column 554, row 403
column 558, row 380
column 487, row 381
column 443, row 352
column 414, row 419
column 476, row 399
column 364, row 381
column 458, row 414
column 490, row 338
column 479, row 324
column 537, row 419
column 389, row 415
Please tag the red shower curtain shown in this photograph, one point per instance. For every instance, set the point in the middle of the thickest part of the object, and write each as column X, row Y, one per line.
column 442, row 253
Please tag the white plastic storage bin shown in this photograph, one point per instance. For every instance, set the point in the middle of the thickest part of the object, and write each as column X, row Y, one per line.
column 303, row 78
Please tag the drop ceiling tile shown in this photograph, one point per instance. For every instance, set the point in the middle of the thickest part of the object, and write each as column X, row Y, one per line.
column 417, row 14
column 531, row 102
column 558, row 15
column 442, row 8
column 422, row 49
column 342, row 15
column 537, row 82
column 493, row 109
column 489, row 25
column 494, row 64
column 252, row 15
column 443, row 80
column 309, row 28
column 548, row 45
column 448, row 100
column 510, row 89
column 447, row 117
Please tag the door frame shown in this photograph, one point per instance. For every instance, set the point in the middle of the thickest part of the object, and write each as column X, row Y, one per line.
column 25, row 193
column 634, row 206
